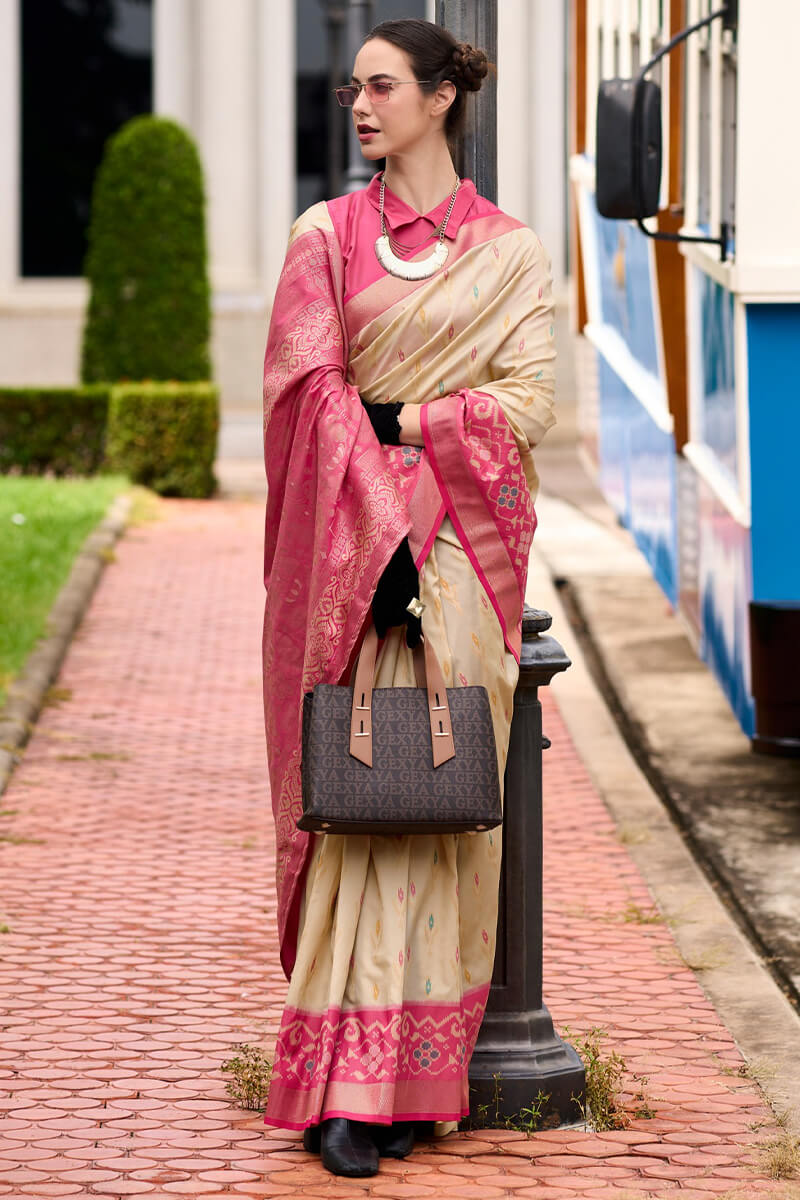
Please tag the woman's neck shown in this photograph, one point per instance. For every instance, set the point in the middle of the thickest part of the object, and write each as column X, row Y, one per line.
column 422, row 184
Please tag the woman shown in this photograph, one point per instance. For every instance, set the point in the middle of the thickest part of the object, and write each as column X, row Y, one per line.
column 399, row 416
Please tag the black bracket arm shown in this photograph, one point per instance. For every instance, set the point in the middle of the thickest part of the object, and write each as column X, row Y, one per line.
column 729, row 15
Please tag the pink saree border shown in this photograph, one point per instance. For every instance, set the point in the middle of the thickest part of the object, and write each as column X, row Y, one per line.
column 374, row 1049
column 456, row 480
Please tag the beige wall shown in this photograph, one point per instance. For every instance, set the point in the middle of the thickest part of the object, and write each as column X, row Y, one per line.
column 225, row 70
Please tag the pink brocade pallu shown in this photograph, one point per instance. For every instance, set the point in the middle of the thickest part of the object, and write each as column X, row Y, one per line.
column 339, row 503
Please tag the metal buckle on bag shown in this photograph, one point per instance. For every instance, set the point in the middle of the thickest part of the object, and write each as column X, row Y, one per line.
column 415, row 607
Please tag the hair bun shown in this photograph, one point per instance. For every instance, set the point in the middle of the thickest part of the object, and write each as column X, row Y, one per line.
column 471, row 65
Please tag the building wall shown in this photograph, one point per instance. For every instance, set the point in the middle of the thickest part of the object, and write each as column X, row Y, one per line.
column 225, row 70
column 708, row 505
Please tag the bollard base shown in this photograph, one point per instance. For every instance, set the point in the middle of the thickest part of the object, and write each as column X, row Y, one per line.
column 507, row 1072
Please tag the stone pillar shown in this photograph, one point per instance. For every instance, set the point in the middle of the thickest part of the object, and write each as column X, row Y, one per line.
column 274, row 148
column 173, row 56
column 476, row 22
column 359, row 23
column 9, row 144
column 226, row 110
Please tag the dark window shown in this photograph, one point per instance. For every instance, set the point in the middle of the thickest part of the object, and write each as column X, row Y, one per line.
column 86, row 69
column 319, row 37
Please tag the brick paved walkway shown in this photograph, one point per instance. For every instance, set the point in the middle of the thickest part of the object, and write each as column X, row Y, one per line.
column 135, row 841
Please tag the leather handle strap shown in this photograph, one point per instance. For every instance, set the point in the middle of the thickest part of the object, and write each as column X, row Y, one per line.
column 361, row 712
column 438, row 709
column 428, row 674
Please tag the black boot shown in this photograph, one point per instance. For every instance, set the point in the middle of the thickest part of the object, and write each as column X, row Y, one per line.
column 395, row 1140
column 346, row 1147
column 311, row 1139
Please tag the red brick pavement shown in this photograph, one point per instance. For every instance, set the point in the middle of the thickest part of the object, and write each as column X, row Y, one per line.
column 138, row 891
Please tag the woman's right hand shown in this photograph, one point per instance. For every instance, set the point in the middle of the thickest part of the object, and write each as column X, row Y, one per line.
column 397, row 586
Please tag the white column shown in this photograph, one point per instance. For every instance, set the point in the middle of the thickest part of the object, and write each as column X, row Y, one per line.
column 531, row 114
column 514, row 69
column 767, row 163
column 172, row 60
column 592, row 73
column 225, row 88
column 609, row 26
column 691, row 187
column 274, row 151
column 9, row 144
column 715, row 133
column 546, row 132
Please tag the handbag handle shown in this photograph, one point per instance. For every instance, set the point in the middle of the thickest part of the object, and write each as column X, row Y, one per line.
column 361, row 713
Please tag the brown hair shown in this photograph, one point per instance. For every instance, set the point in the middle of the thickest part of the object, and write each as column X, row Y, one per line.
column 435, row 55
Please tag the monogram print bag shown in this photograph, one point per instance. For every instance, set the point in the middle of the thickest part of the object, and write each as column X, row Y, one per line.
column 400, row 759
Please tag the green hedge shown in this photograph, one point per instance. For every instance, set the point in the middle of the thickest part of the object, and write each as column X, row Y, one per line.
column 164, row 435
column 149, row 307
column 58, row 429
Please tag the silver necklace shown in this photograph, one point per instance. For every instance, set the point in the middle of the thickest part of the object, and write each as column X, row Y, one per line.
column 425, row 266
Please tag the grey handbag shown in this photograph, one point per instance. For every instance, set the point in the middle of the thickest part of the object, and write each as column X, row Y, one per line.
column 398, row 759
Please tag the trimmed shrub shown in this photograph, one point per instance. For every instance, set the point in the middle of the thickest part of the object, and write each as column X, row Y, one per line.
column 149, row 308
column 58, row 429
column 164, row 435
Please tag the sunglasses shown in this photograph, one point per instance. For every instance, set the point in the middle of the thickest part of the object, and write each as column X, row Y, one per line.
column 378, row 91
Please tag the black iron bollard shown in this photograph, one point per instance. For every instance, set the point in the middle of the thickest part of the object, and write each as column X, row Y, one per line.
column 518, row 1053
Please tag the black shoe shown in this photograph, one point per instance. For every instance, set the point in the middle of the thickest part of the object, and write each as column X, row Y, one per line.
column 346, row 1147
column 395, row 1140
column 311, row 1139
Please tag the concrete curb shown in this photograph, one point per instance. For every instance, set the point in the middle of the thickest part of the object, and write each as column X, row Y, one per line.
column 26, row 693
column 758, row 1015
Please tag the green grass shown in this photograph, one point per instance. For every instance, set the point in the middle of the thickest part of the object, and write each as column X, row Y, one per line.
column 36, row 553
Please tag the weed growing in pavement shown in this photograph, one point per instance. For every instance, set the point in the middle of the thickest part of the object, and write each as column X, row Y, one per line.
column 632, row 912
column 97, row 755
column 603, row 1108
column 713, row 956
column 643, row 1111
column 780, row 1118
column 19, row 839
column 251, row 1071
column 527, row 1120
column 632, row 835
column 55, row 695
column 780, row 1156
column 604, row 1075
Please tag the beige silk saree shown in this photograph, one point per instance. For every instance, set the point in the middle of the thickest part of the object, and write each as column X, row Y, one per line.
column 388, row 942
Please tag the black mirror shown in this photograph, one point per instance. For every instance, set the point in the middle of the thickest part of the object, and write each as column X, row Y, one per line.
column 628, row 148
column 628, row 143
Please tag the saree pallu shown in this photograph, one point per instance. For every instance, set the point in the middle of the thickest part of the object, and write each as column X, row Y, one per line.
column 388, row 942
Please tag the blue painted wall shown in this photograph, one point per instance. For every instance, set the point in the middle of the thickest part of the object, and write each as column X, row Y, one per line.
column 725, row 589
column 717, row 400
column 773, row 364
column 637, row 458
column 637, row 476
column 627, row 306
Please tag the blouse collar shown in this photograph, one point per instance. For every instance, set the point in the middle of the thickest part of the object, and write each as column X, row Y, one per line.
column 398, row 213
